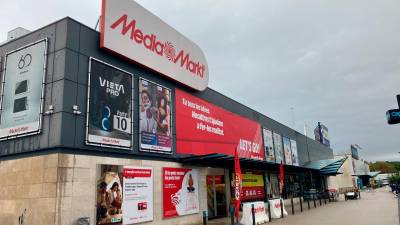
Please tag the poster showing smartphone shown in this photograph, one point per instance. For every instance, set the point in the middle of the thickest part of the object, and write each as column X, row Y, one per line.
column 22, row 90
column 109, row 112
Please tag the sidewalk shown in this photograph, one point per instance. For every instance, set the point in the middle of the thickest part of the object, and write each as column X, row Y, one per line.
column 375, row 207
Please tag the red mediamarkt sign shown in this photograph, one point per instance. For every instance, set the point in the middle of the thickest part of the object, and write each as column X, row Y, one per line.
column 203, row 128
column 133, row 32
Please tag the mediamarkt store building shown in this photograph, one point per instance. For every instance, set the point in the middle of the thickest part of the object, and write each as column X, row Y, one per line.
column 119, row 127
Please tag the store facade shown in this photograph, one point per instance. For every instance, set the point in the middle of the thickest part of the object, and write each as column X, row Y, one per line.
column 88, row 132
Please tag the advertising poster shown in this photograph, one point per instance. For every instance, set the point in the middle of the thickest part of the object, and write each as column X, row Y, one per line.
column 155, row 117
column 109, row 115
column 109, row 195
column 22, row 95
column 180, row 191
column 278, row 148
column 138, row 194
column 287, row 151
column 269, row 145
column 252, row 186
column 203, row 128
column 295, row 155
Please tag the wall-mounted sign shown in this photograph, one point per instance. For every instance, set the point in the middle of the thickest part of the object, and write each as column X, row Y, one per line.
column 203, row 128
column 109, row 108
column 252, row 186
column 354, row 152
column 155, row 117
column 133, row 32
column 180, row 191
column 321, row 134
column 269, row 145
column 295, row 155
column 278, row 148
column 138, row 194
column 109, row 195
column 287, row 151
column 23, row 89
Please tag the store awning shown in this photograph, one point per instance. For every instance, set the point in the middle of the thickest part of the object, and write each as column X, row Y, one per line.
column 226, row 161
column 328, row 167
column 367, row 174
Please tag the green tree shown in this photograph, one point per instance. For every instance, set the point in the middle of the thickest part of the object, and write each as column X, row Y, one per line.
column 384, row 167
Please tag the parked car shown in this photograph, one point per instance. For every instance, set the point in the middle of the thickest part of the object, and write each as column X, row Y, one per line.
column 351, row 194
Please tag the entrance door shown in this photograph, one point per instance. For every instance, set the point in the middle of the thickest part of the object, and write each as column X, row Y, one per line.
column 216, row 197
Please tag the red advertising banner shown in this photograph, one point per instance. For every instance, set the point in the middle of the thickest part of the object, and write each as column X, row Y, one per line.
column 180, row 191
column 203, row 128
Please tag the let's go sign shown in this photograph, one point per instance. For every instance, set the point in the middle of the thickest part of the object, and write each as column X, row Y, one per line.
column 133, row 32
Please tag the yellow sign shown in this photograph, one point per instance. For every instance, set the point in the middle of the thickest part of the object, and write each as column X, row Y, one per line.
column 251, row 179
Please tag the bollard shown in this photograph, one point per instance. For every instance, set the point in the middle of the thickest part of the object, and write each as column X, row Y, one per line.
column 281, row 208
column 320, row 201
column 232, row 209
column 291, row 202
column 308, row 203
column 269, row 212
column 253, row 214
column 315, row 205
column 301, row 204
column 205, row 217
column 359, row 193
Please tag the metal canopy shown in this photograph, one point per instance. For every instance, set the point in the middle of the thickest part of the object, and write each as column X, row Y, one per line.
column 328, row 167
column 368, row 174
column 226, row 161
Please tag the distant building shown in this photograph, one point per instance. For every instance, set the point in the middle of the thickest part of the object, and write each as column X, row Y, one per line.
column 355, row 173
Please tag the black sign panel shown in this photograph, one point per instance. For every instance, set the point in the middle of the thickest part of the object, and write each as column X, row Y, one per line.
column 393, row 116
column 109, row 116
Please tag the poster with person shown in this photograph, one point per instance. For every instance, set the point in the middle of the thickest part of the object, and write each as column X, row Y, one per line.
column 109, row 195
column 295, row 155
column 22, row 90
column 180, row 191
column 155, row 117
column 287, row 151
column 278, row 148
column 269, row 145
column 109, row 112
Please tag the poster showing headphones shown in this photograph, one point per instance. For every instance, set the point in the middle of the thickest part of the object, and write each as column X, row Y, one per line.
column 109, row 111
column 180, row 191
column 155, row 117
column 22, row 90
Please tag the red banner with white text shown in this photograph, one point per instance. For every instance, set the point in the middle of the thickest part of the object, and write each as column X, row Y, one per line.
column 203, row 128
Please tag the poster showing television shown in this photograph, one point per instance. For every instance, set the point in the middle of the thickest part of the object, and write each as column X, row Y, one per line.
column 269, row 145
column 287, row 151
column 180, row 191
column 109, row 108
column 155, row 117
column 295, row 155
column 138, row 194
column 109, row 195
column 204, row 128
column 23, row 90
column 278, row 148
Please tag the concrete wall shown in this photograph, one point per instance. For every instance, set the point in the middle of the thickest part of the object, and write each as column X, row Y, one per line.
column 29, row 189
column 345, row 180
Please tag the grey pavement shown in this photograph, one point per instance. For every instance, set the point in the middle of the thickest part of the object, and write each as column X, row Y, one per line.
column 376, row 207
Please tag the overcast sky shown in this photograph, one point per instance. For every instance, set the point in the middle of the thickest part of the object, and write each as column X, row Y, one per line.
column 337, row 62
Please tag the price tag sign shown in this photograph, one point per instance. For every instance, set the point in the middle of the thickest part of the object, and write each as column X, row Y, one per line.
column 122, row 124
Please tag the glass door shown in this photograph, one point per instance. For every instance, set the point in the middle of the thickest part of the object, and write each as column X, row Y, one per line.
column 216, row 196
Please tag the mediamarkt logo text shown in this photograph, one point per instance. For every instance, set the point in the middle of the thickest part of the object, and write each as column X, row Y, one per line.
column 166, row 48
